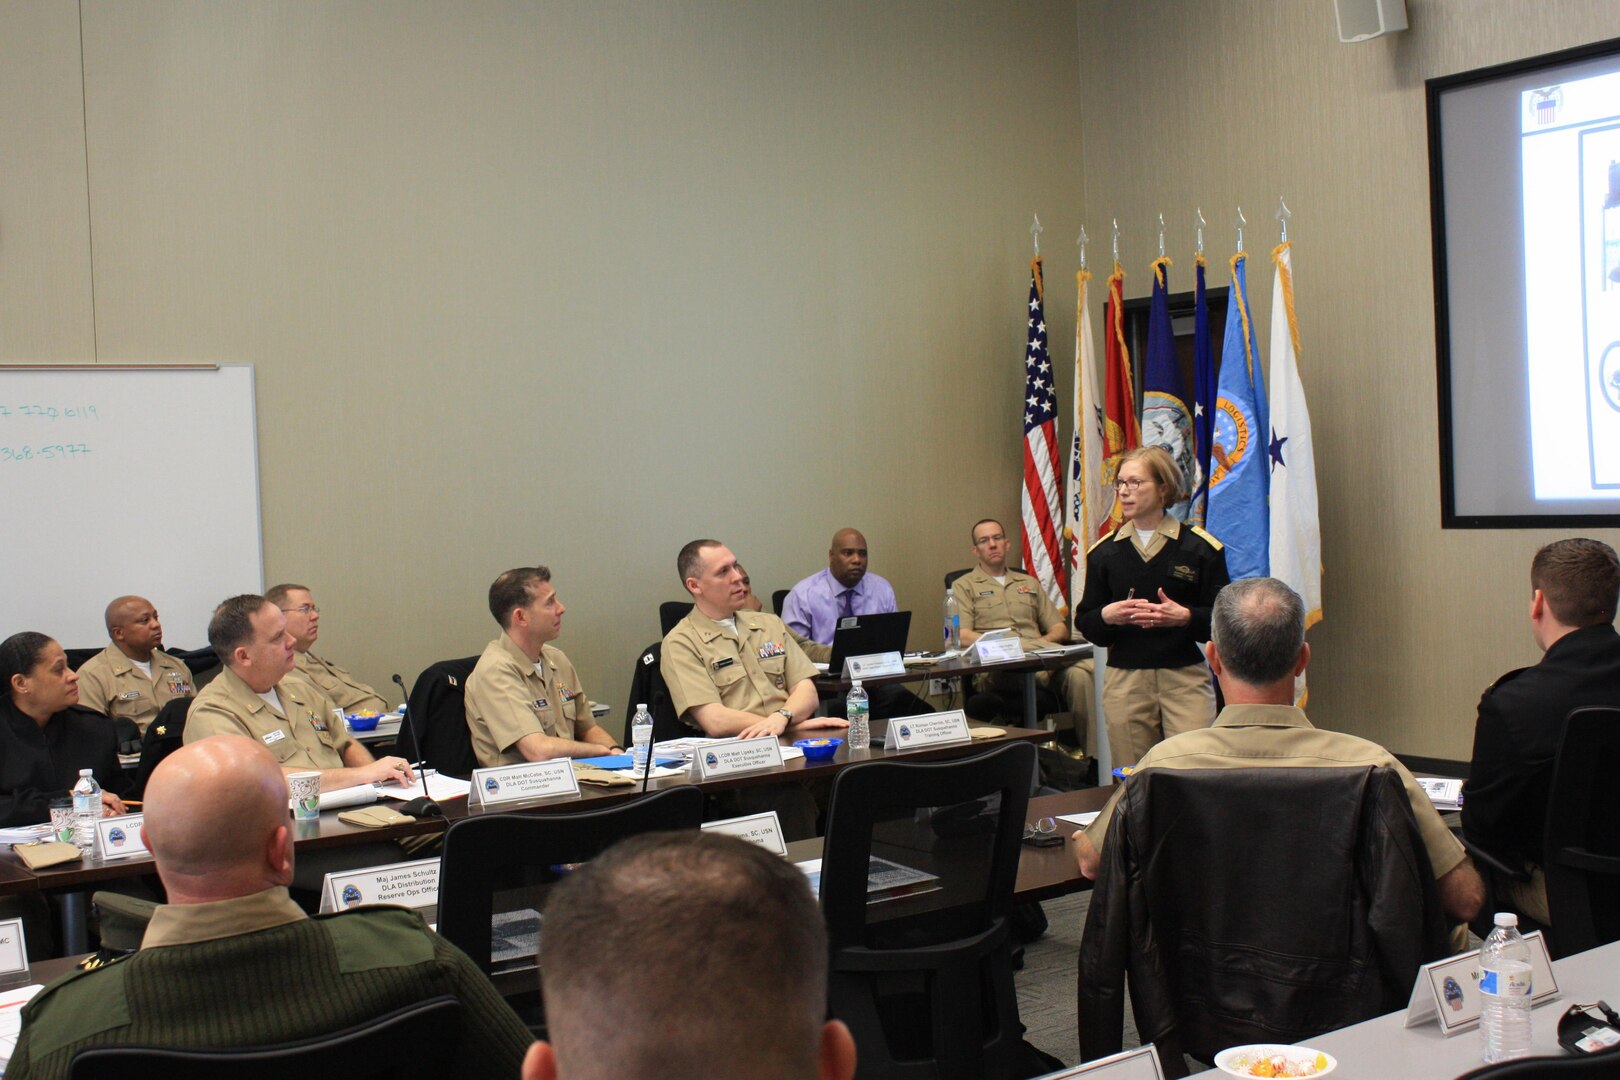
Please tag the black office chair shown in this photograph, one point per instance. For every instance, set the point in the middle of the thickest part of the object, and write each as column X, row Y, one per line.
column 437, row 715
column 76, row 657
column 1604, row 1066
column 1581, row 848
column 779, row 600
column 1315, row 907
column 162, row 737
column 520, row 855
column 671, row 612
column 925, row 981
column 952, row 575
column 203, row 663
column 647, row 687
column 417, row 1042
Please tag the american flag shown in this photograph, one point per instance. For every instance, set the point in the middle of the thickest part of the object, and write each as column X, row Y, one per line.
column 1042, row 505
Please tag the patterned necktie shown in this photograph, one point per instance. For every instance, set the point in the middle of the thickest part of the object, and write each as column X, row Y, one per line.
column 846, row 603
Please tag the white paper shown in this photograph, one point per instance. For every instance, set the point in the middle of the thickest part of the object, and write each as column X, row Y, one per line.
column 438, row 787
column 1444, row 792
column 1082, row 820
column 11, row 1003
column 26, row 834
column 338, row 798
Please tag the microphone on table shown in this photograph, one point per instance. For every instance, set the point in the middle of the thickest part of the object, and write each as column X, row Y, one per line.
column 421, row 806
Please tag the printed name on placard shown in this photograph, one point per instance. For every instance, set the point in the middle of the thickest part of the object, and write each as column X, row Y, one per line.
column 408, row 884
column 530, row 780
column 1448, row 990
column 13, row 948
column 120, row 837
column 929, row 729
column 715, row 760
column 762, row 829
column 871, row 665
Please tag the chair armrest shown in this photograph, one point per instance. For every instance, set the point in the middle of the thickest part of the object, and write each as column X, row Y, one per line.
column 1480, row 855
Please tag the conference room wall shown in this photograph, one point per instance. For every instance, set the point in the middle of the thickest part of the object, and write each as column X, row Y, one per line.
column 560, row 282
column 1189, row 103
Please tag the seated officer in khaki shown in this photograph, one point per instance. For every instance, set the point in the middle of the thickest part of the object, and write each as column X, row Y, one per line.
column 133, row 677
column 524, row 700
column 258, row 696
column 992, row 597
column 732, row 672
column 815, row 650
column 303, row 623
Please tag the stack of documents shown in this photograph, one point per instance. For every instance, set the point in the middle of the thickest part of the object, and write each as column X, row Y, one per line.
column 1444, row 792
column 26, row 834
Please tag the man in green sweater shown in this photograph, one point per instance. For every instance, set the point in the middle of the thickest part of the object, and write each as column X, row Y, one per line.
column 230, row 961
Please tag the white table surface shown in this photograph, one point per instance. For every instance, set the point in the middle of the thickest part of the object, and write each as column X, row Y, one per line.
column 1382, row 1049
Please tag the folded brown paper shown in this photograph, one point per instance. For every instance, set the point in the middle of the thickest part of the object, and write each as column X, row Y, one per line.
column 375, row 817
column 43, row 853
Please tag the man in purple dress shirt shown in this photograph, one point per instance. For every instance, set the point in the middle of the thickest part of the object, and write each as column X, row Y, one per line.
column 815, row 604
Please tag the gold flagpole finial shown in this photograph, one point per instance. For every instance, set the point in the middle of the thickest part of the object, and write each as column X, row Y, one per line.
column 1283, row 214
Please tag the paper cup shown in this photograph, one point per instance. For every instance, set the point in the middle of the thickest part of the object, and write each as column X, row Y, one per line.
column 62, row 820
column 305, row 788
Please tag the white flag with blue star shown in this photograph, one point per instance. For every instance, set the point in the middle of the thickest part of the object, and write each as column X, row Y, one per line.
column 1296, row 532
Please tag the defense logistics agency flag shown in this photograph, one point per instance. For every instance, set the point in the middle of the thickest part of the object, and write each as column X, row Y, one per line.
column 1166, row 421
column 1041, row 508
column 1238, row 516
column 1120, row 431
column 1296, row 534
column 1084, row 507
column 1203, row 394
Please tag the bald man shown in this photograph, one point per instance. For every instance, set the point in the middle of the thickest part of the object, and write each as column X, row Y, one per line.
column 133, row 677
column 232, row 947
column 844, row 588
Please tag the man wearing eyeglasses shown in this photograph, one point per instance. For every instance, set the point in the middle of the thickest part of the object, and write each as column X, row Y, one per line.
column 993, row 597
column 303, row 623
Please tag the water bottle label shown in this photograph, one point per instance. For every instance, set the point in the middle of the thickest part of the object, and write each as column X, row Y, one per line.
column 1505, row 983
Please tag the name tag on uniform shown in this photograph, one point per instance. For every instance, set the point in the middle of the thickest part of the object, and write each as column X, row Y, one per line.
column 737, row 756
column 988, row 592
column 120, row 837
column 274, row 737
column 929, row 729
column 409, row 884
column 531, row 780
column 130, row 695
column 718, row 664
column 539, row 703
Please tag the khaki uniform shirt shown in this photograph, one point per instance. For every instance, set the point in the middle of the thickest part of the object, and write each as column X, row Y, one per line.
column 187, row 924
column 347, row 692
column 111, row 684
column 1279, row 736
column 507, row 699
column 984, row 604
column 753, row 672
column 307, row 736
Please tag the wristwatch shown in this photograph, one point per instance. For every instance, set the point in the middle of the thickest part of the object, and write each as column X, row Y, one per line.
column 787, row 714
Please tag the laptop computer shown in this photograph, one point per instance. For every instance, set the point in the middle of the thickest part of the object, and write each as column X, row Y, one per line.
column 862, row 635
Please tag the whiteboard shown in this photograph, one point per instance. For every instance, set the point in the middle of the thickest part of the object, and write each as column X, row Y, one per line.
column 126, row 480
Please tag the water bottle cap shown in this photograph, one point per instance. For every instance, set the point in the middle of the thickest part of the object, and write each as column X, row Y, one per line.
column 1506, row 918
column 641, row 708
column 854, row 684
column 85, row 772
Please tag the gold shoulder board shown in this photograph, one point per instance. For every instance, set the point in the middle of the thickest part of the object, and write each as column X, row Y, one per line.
column 1214, row 543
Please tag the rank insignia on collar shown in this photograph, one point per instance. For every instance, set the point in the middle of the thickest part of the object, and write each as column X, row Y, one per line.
column 163, row 729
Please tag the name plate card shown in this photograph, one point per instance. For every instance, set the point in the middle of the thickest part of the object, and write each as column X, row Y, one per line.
column 120, row 837
column 531, row 780
column 998, row 650
column 1139, row 1064
column 762, row 829
column 409, row 884
column 929, row 729
column 871, row 665
column 13, row 949
column 737, row 756
column 1449, row 989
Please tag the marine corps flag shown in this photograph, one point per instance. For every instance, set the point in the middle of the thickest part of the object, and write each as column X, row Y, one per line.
column 1084, row 507
column 1296, row 534
column 1203, row 393
column 1120, row 431
column 1042, row 509
column 1166, row 420
column 1238, row 516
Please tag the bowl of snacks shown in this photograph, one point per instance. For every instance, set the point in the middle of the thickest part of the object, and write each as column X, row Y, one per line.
column 818, row 749
column 1272, row 1059
column 363, row 721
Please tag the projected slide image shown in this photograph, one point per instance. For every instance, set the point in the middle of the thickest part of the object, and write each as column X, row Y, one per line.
column 1570, row 154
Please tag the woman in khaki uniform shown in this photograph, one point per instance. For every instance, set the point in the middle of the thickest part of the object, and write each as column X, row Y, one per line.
column 1150, row 589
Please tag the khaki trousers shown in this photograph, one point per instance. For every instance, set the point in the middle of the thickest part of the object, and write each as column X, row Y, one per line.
column 1148, row 705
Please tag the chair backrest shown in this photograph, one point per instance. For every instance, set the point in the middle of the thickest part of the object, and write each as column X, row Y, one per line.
column 671, row 612
column 923, row 973
column 417, row 1042
column 1581, row 842
column 438, row 714
column 521, row 855
column 1315, row 905
column 76, row 657
column 162, row 737
column 779, row 600
column 647, row 687
column 202, row 663
column 952, row 575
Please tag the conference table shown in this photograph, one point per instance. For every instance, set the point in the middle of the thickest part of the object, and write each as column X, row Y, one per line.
column 964, row 665
column 72, row 880
column 1385, row 1049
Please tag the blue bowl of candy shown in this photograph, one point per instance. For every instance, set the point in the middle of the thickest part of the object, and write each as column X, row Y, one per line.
column 818, row 749
column 362, row 721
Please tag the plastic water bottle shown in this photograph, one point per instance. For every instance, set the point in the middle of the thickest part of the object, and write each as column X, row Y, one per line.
column 1504, row 987
column 953, row 623
column 641, row 726
column 857, row 710
column 86, row 810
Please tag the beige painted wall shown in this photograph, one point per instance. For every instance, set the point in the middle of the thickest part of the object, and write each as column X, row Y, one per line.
column 1219, row 104
column 559, row 282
